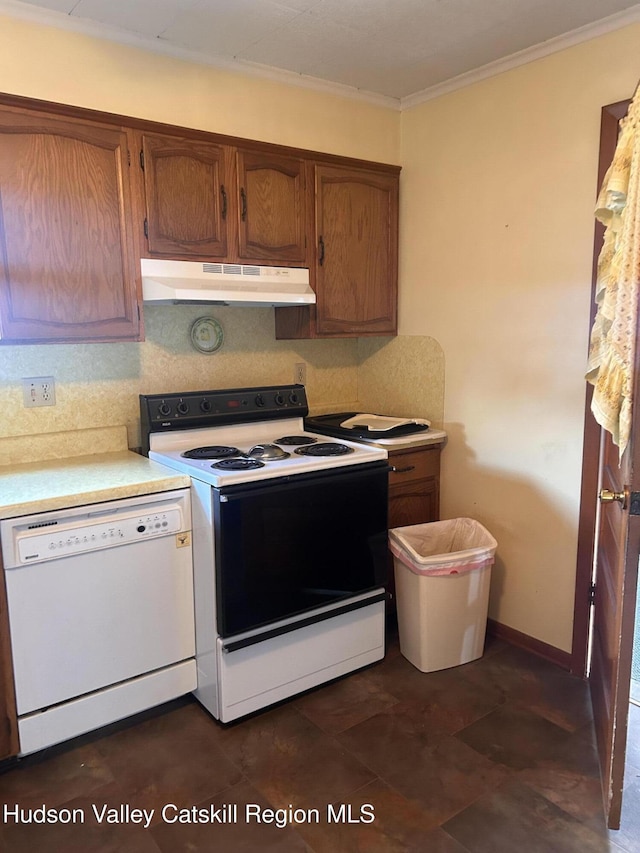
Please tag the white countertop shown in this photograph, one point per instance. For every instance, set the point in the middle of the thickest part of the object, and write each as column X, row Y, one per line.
column 32, row 487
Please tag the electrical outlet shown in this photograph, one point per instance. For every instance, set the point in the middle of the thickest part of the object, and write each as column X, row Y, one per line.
column 300, row 373
column 38, row 391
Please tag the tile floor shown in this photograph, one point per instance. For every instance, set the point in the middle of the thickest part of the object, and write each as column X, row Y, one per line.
column 493, row 756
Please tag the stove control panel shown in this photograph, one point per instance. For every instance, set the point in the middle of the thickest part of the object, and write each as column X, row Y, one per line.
column 199, row 409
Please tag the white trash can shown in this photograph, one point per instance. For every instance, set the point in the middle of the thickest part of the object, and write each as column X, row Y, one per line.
column 443, row 574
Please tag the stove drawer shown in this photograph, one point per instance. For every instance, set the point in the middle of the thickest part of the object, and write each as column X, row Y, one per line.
column 274, row 669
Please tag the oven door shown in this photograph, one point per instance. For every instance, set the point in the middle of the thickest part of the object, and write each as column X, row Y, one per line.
column 291, row 545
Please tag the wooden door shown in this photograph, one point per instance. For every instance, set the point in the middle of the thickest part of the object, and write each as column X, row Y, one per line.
column 616, row 573
column 617, row 549
column 68, row 270
column 271, row 208
column 187, row 192
column 357, row 261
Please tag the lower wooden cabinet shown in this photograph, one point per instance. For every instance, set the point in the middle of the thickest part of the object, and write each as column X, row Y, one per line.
column 8, row 716
column 414, row 493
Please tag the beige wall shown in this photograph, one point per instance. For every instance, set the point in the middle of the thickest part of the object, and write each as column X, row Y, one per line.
column 498, row 187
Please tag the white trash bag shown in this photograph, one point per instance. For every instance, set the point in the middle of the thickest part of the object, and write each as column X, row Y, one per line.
column 443, row 547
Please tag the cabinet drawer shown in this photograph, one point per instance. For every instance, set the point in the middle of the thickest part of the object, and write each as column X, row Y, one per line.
column 408, row 465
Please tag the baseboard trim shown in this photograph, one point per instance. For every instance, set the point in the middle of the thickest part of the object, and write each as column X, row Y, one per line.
column 530, row 644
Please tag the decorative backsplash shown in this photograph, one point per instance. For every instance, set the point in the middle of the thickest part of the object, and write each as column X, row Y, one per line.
column 97, row 385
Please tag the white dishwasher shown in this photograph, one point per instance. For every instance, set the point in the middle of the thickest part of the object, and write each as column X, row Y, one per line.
column 101, row 613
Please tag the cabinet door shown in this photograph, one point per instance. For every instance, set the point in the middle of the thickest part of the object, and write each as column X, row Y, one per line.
column 68, row 270
column 414, row 494
column 414, row 486
column 187, row 197
column 271, row 206
column 357, row 232
column 415, row 503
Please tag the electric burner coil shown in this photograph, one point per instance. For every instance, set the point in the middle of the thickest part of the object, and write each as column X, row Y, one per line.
column 212, row 451
column 324, row 449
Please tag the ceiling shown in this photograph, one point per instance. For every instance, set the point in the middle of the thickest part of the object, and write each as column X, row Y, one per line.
column 392, row 50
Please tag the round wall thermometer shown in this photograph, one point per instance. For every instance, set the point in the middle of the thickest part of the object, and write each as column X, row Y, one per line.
column 206, row 334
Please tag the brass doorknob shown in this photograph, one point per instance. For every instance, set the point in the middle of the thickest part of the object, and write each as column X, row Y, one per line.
column 606, row 496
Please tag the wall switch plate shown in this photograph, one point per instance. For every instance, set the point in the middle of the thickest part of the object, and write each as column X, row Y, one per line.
column 300, row 373
column 38, row 391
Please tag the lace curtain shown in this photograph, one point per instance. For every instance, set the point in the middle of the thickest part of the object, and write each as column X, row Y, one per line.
column 613, row 336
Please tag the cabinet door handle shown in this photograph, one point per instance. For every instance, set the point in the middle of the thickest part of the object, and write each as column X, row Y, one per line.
column 223, row 193
column 320, row 251
column 402, row 470
column 243, row 199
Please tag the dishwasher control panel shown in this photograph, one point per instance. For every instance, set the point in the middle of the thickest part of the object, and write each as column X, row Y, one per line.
column 44, row 537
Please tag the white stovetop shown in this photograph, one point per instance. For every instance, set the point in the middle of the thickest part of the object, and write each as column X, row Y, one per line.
column 168, row 447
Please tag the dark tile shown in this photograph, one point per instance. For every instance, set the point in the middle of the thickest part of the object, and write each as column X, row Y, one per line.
column 173, row 758
column 520, row 774
column 537, row 684
column 78, row 829
column 398, row 826
column 291, row 761
column 560, row 697
column 344, row 703
column 447, row 699
column 493, row 644
column 54, row 776
column 515, row 818
column 570, row 778
column 437, row 771
column 244, row 834
column 514, row 737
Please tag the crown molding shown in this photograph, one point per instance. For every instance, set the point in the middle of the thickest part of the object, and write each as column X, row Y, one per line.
column 60, row 20
column 523, row 57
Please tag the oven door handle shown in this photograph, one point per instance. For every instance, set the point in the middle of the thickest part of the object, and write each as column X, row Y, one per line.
column 293, row 481
column 236, row 645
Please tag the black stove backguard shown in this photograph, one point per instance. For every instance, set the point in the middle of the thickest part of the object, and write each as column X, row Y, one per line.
column 218, row 407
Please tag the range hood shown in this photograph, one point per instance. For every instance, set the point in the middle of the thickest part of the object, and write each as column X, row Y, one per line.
column 176, row 282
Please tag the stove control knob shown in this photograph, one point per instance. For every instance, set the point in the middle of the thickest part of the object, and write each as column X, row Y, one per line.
column 293, row 397
column 205, row 405
column 259, row 400
column 183, row 408
column 164, row 409
column 278, row 399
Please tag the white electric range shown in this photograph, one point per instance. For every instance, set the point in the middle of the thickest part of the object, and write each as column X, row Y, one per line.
column 289, row 542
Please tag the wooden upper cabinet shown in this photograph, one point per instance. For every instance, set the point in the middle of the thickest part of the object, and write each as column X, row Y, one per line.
column 187, row 194
column 271, row 208
column 68, row 270
column 357, row 251
column 354, row 265
column 205, row 201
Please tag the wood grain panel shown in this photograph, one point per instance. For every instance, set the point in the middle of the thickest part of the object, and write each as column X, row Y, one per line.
column 271, row 204
column 187, row 197
column 69, row 270
column 356, row 231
